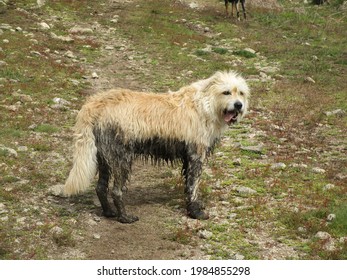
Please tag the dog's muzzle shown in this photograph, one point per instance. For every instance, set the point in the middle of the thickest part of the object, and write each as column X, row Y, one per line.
column 231, row 116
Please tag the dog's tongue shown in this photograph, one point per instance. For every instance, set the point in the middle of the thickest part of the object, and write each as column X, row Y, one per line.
column 228, row 116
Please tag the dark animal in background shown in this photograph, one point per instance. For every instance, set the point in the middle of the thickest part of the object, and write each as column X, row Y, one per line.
column 320, row 2
column 235, row 5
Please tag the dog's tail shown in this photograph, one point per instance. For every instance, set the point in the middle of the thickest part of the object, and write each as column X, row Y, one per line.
column 84, row 158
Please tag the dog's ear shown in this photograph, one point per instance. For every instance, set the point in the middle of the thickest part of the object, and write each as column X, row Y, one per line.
column 207, row 84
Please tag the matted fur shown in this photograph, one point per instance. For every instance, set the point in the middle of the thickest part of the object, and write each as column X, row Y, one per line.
column 116, row 126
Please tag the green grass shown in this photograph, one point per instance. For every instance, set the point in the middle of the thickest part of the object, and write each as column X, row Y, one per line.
column 46, row 128
column 302, row 40
column 244, row 53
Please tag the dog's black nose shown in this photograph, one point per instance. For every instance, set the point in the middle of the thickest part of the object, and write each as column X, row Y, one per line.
column 238, row 105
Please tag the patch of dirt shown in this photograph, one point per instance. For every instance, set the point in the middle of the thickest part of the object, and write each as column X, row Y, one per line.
column 149, row 238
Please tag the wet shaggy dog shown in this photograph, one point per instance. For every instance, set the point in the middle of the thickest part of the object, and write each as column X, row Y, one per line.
column 114, row 128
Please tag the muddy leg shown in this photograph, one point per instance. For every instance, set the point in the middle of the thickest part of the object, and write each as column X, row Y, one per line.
column 102, row 188
column 117, row 195
column 193, row 164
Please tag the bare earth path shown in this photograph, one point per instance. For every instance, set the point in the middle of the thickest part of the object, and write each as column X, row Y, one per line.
column 151, row 237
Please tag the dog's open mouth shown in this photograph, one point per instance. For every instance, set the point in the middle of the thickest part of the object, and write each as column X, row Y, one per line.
column 230, row 116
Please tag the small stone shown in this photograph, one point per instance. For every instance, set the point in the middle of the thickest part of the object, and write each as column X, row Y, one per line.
column 330, row 245
column 91, row 222
column 269, row 69
column 244, row 190
column 3, row 209
column 278, row 166
column 239, row 257
column 253, row 149
column 22, row 149
column 4, row 219
column 343, row 239
column 44, row 26
column 81, row 30
column 5, row 41
column 8, row 151
column 337, row 112
column 250, row 50
column 207, row 29
column 69, row 54
column 5, row 26
column 322, row 235
column 60, row 101
column 95, row 75
column 205, row 234
column 340, row 176
column 231, row 216
column 97, row 219
column 21, row 220
column 2, row 63
column 57, row 190
column 298, row 165
column 109, row 48
column 318, row 170
column 96, row 236
column 40, row 3
column 66, row 39
column 237, row 162
column 301, row 229
column 56, row 230
column 331, row 217
column 75, row 82
column 309, row 80
column 328, row 187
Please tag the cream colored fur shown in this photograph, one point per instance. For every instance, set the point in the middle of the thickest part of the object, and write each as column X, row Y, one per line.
column 193, row 114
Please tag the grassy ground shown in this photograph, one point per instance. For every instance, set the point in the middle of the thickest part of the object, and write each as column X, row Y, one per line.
column 178, row 45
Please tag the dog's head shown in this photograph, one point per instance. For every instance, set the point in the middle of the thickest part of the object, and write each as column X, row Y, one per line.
column 225, row 95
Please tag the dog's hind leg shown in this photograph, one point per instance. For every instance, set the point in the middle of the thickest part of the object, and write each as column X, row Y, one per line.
column 192, row 168
column 120, row 179
column 102, row 187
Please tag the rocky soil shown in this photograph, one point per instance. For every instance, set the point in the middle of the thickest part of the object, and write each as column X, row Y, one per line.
column 244, row 212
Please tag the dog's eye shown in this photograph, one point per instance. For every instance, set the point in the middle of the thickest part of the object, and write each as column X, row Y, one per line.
column 242, row 93
column 227, row 92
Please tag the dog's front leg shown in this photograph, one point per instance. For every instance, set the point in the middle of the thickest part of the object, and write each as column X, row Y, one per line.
column 192, row 166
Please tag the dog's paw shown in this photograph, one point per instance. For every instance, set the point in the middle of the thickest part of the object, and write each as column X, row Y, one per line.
column 109, row 214
column 127, row 219
column 195, row 211
column 199, row 215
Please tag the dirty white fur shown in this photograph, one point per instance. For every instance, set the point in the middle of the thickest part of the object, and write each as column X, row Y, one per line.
column 193, row 114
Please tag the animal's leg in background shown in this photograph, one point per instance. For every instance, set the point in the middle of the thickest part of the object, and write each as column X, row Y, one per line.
column 226, row 7
column 243, row 9
column 192, row 169
column 120, row 178
column 237, row 10
column 102, row 187
column 233, row 6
